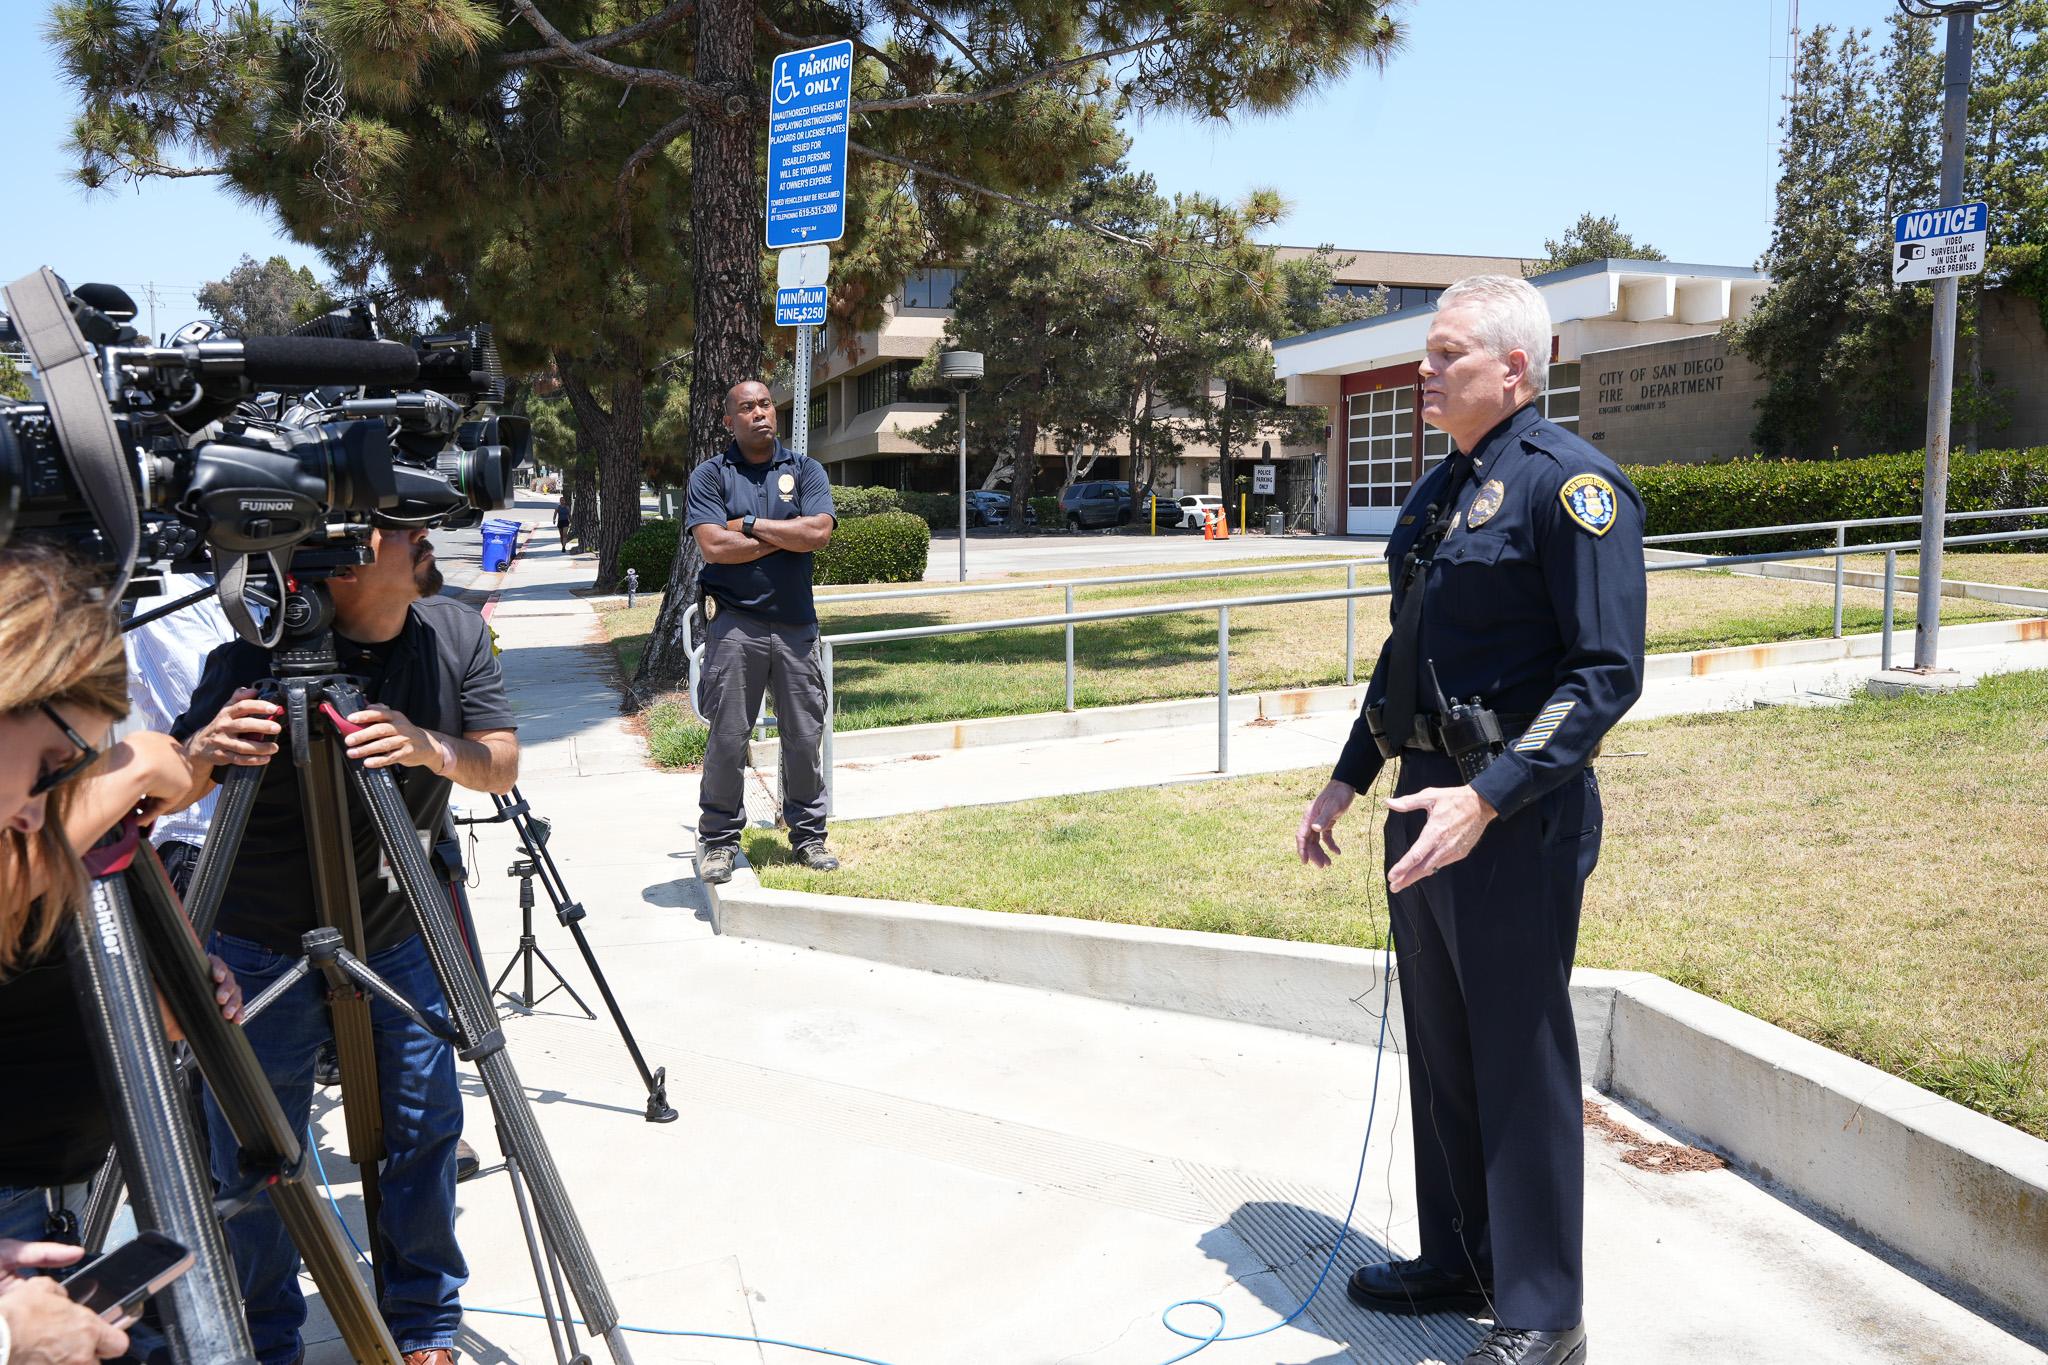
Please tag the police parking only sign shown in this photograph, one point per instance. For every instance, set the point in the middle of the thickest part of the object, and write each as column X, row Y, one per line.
column 810, row 99
column 1936, row 244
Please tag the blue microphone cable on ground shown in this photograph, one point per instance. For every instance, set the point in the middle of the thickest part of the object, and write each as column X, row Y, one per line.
column 1203, row 1340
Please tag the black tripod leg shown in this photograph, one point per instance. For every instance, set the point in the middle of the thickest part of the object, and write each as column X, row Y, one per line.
column 328, row 847
column 571, row 914
column 249, row 1105
column 484, row 1044
column 203, row 1314
column 223, row 842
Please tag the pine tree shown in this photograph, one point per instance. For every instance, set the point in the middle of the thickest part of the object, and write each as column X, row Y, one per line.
column 1591, row 239
column 587, row 172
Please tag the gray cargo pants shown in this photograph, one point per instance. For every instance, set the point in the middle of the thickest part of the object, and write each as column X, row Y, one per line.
column 743, row 655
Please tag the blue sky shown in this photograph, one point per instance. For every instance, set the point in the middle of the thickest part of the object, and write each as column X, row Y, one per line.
column 1657, row 112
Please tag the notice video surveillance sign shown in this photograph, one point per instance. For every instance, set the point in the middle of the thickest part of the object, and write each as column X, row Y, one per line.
column 1935, row 244
column 810, row 99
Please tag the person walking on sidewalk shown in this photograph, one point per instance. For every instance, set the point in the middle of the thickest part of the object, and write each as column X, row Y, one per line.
column 1521, row 591
column 759, row 510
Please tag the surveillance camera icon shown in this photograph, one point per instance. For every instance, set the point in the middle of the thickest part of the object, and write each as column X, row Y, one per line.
column 1908, row 253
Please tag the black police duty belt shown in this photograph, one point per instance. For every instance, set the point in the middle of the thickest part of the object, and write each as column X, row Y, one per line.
column 1471, row 729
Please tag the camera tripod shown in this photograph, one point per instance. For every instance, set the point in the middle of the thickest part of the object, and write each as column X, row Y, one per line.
column 132, row 929
column 316, row 696
column 538, row 865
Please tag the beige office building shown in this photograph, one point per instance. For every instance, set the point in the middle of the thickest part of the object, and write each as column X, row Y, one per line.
column 864, row 412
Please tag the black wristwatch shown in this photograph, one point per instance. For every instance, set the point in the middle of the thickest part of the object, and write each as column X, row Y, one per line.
column 747, row 526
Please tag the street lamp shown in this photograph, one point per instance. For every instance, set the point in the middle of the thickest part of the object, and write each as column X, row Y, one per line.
column 961, row 371
column 1941, row 361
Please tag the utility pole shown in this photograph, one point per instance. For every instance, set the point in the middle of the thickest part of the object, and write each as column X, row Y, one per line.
column 1941, row 364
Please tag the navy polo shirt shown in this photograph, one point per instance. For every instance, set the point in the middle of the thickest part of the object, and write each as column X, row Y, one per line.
column 781, row 488
column 1534, row 602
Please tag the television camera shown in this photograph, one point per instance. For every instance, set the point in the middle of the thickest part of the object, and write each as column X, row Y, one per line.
column 270, row 457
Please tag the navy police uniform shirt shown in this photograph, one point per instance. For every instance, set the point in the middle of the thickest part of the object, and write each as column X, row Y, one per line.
column 1533, row 602
column 783, row 487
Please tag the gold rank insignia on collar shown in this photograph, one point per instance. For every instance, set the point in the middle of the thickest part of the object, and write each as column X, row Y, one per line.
column 1589, row 500
column 1485, row 503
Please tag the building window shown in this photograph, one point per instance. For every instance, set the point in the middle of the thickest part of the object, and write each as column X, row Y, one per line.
column 1436, row 447
column 821, row 409
column 1379, row 439
column 1561, row 399
column 932, row 288
column 1399, row 296
column 889, row 383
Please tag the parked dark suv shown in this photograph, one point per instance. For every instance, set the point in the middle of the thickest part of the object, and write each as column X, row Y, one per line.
column 1095, row 503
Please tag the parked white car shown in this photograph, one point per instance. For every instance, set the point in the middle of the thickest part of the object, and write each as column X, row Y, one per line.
column 1194, row 509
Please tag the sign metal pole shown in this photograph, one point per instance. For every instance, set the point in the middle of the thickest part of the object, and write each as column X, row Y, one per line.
column 1942, row 362
column 800, row 395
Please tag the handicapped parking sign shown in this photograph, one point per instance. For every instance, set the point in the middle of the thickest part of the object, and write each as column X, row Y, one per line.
column 810, row 100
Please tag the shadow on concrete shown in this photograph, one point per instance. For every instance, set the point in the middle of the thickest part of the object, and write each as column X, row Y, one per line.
column 1275, row 1250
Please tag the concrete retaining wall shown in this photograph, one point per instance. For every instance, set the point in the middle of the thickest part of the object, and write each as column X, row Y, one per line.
column 1962, row 1195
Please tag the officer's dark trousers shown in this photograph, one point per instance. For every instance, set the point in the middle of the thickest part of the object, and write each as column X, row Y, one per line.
column 744, row 656
column 1484, row 949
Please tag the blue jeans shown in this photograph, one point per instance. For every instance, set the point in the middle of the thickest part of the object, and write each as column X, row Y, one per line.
column 422, row 1108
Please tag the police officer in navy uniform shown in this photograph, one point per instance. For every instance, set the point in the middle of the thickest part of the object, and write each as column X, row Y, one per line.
column 1517, row 642
column 759, row 510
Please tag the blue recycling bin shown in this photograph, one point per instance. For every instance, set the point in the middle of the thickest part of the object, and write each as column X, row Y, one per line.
column 499, row 537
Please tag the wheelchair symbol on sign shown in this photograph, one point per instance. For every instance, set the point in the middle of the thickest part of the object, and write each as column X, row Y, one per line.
column 785, row 89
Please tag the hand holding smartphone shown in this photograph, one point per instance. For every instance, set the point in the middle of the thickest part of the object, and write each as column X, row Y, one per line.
column 116, row 1285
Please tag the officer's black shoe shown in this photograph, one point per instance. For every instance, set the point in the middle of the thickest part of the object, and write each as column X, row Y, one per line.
column 817, row 857
column 1410, row 1288
column 1507, row 1346
column 467, row 1162
column 327, row 1065
column 714, row 864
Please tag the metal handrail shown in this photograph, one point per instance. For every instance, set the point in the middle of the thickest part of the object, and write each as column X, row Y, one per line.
column 956, row 589
column 829, row 644
column 1837, row 525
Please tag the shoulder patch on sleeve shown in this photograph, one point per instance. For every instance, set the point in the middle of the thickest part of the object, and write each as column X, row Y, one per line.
column 1589, row 500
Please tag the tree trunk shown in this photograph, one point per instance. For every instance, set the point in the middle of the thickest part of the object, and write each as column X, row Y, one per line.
column 583, row 494
column 725, row 232
column 1026, row 477
column 615, row 434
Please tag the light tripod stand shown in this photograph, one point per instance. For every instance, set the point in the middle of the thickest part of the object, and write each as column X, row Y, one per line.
column 538, row 865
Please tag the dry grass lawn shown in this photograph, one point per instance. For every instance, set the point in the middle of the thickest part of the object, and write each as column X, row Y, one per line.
column 1869, row 876
column 1974, row 566
column 1162, row 657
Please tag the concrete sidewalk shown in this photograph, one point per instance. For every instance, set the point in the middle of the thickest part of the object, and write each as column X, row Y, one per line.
column 926, row 1170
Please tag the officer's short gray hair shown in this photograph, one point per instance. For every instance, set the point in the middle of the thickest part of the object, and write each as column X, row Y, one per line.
column 1512, row 317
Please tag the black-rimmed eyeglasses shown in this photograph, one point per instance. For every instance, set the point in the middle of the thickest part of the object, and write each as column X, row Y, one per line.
column 57, row 777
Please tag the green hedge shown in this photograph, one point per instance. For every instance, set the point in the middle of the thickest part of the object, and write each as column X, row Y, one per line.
column 651, row 550
column 889, row 547
column 1758, row 492
column 864, row 502
column 941, row 511
column 1047, row 507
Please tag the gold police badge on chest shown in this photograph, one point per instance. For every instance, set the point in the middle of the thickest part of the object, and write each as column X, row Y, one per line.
column 787, row 483
column 1485, row 503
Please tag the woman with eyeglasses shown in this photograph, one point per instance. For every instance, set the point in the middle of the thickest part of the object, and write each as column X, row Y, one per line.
column 63, row 685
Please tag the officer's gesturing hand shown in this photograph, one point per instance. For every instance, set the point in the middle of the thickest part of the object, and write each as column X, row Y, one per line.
column 1316, row 840
column 1457, row 817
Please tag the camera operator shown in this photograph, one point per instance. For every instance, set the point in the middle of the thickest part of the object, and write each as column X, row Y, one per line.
column 62, row 687
column 438, row 716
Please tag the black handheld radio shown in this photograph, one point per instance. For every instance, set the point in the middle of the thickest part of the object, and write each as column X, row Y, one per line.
column 1470, row 732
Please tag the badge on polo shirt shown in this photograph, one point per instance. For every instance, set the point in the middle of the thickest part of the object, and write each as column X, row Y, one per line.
column 710, row 608
column 1485, row 503
column 1589, row 500
column 787, row 483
